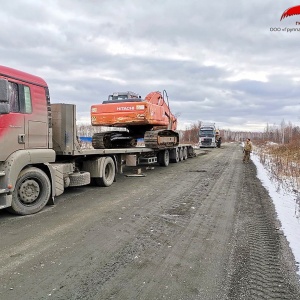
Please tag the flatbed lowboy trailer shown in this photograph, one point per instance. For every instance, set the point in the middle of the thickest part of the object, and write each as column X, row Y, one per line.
column 40, row 153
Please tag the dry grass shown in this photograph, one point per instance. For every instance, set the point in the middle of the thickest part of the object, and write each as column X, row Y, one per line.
column 283, row 162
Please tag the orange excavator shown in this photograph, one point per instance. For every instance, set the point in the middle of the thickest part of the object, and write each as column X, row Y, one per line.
column 149, row 118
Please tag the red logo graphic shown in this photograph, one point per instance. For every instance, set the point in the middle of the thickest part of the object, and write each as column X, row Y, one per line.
column 295, row 10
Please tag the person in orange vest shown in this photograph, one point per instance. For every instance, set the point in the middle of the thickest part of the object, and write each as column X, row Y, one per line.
column 247, row 150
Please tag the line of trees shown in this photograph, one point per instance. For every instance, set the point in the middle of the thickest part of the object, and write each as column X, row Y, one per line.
column 285, row 133
column 191, row 134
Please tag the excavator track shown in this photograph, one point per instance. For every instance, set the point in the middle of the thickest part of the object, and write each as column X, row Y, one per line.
column 161, row 139
column 113, row 139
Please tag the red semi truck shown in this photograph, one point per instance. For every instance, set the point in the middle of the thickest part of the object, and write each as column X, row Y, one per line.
column 40, row 154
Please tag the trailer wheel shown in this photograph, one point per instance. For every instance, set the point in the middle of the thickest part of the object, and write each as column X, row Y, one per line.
column 108, row 173
column 164, row 158
column 79, row 178
column 180, row 153
column 31, row 193
column 175, row 155
column 191, row 152
column 185, row 153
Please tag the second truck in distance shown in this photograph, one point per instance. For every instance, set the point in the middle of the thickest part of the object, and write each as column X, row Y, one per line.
column 209, row 136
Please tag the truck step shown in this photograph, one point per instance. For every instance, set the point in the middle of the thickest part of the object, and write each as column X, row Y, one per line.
column 147, row 160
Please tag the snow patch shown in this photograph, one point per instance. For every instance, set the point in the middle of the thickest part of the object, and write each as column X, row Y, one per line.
column 286, row 205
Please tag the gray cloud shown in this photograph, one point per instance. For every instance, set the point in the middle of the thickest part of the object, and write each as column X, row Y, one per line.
column 218, row 61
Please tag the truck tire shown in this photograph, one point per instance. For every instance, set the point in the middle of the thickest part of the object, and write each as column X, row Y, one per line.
column 190, row 151
column 174, row 155
column 180, row 152
column 80, row 178
column 185, row 153
column 32, row 192
column 108, row 173
column 164, row 158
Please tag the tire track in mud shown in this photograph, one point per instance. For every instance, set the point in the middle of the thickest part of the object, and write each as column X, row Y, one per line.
column 194, row 244
column 196, row 230
column 258, row 271
column 155, row 225
column 175, row 224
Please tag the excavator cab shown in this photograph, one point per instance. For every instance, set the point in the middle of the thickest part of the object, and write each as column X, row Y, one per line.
column 122, row 97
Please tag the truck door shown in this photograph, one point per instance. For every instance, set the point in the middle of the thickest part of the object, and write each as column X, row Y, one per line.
column 12, row 131
column 36, row 117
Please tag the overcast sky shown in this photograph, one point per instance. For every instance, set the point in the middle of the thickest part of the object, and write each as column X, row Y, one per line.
column 218, row 60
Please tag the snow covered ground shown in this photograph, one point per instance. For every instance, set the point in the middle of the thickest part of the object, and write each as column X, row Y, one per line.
column 287, row 204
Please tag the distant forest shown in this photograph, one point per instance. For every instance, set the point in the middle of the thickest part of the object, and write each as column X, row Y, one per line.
column 285, row 133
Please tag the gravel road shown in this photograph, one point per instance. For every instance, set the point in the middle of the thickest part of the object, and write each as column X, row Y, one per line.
column 204, row 228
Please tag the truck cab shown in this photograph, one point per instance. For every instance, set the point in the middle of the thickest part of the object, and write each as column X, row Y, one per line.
column 25, row 119
column 207, row 136
column 25, row 135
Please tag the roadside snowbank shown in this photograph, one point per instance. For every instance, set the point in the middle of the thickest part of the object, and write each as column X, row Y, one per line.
column 287, row 205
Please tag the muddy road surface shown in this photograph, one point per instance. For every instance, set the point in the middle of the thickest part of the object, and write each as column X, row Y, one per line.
column 204, row 228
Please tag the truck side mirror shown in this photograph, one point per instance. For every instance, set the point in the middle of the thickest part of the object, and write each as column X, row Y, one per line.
column 4, row 100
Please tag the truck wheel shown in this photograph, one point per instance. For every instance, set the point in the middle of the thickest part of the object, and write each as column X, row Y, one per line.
column 185, row 153
column 174, row 155
column 79, row 178
column 108, row 173
column 31, row 193
column 190, row 151
column 164, row 158
column 180, row 153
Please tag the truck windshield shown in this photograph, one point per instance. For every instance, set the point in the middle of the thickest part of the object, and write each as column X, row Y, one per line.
column 206, row 133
